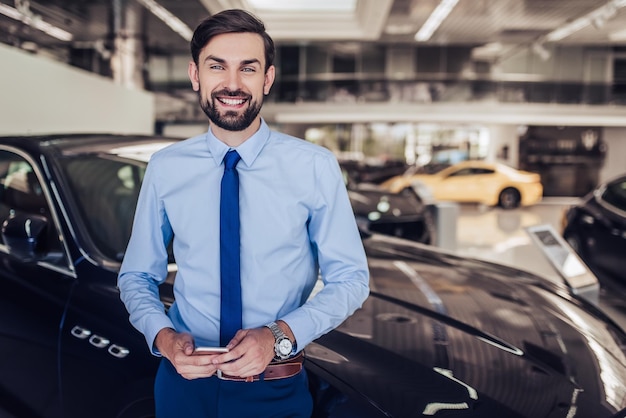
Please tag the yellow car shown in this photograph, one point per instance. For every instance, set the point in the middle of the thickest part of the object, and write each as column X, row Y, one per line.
column 492, row 184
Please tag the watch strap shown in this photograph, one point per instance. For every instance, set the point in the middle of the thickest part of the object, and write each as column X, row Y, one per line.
column 278, row 336
column 276, row 331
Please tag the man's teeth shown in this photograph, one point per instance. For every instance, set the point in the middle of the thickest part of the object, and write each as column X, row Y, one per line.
column 232, row 102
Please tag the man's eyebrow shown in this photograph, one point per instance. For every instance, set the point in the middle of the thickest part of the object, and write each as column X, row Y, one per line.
column 214, row 58
column 251, row 61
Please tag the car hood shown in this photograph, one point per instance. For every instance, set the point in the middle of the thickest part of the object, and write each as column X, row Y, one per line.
column 441, row 332
column 428, row 179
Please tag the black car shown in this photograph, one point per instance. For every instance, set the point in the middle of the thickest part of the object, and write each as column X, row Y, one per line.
column 440, row 335
column 596, row 227
column 405, row 214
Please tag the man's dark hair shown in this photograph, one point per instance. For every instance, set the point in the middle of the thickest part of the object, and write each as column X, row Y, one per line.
column 231, row 21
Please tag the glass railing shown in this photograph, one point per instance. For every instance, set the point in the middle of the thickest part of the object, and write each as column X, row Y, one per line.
column 417, row 91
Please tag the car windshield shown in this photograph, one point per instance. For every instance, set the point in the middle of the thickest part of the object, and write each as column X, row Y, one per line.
column 615, row 194
column 106, row 188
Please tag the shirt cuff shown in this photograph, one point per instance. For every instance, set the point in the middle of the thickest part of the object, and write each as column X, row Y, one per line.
column 153, row 329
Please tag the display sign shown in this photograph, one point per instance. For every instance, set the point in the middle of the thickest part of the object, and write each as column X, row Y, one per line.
column 564, row 259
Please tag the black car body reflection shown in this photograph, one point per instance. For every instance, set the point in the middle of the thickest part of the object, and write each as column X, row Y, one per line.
column 596, row 227
column 439, row 334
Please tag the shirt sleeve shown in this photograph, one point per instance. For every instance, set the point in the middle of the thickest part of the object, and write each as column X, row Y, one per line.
column 145, row 262
column 335, row 237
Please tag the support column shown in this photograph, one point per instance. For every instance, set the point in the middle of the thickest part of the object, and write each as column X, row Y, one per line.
column 128, row 57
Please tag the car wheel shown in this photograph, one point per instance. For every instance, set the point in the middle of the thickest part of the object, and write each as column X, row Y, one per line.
column 509, row 198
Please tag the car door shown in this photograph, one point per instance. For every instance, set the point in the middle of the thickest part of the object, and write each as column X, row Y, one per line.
column 106, row 367
column 464, row 185
column 36, row 284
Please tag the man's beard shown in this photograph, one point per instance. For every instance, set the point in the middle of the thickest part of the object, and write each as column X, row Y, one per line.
column 230, row 120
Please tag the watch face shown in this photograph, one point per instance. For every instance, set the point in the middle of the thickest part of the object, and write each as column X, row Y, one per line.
column 284, row 346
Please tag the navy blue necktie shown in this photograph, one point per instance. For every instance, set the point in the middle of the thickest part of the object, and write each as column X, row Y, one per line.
column 230, row 311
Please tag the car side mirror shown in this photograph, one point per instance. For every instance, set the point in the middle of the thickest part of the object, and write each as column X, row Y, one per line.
column 23, row 233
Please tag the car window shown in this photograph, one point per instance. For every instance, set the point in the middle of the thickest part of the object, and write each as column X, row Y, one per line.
column 106, row 190
column 482, row 171
column 461, row 172
column 21, row 193
column 615, row 194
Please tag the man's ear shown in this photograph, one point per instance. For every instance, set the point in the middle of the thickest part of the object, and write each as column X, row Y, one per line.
column 270, row 75
column 193, row 76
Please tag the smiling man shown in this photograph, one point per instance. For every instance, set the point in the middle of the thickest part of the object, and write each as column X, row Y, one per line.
column 246, row 268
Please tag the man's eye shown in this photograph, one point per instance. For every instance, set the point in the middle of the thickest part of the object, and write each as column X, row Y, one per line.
column 248, row 70
column 216, row 67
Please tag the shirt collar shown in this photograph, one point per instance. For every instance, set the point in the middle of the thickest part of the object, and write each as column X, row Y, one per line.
column 248, row 150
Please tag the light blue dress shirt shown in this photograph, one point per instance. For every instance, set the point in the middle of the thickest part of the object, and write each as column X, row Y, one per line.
column 296, row 222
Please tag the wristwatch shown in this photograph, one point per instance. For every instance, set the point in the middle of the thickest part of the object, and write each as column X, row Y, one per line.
column 283, row 346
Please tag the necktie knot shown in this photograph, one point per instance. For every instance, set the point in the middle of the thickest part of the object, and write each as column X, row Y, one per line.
column 231, row 159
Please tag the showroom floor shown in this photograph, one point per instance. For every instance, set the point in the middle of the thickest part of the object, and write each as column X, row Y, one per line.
column 499, row 235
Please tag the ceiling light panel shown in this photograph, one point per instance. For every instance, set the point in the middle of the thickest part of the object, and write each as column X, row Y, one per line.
column 168, row 18
column 438, row 15
column 597, row 17
column 36, row 22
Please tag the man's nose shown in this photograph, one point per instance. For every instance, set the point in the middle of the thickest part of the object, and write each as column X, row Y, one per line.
column 233, row 80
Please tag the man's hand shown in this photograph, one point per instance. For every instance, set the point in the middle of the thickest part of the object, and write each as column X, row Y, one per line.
column 251, row 350
column 178, row 349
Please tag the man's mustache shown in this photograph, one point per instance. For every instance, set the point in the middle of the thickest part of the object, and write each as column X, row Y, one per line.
column 230, row 93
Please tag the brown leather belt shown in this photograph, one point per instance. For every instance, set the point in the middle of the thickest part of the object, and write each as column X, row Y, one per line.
column 275, row 370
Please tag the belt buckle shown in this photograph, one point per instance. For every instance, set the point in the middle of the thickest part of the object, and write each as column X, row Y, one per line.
column 220, row 375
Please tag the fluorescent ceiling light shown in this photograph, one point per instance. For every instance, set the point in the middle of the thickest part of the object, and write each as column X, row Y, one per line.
column 168, row 18
column 36, row 22
column 599, row 15
column 304, row 5
column 434, row 20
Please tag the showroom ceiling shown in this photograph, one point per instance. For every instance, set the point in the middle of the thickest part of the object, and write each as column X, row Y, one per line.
column 86, row 23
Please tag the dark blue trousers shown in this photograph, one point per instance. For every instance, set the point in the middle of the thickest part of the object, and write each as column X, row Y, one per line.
column 211, row 397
